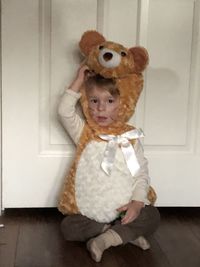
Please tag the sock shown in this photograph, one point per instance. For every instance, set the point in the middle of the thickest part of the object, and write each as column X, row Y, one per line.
column 97, row 245
column 141, row 242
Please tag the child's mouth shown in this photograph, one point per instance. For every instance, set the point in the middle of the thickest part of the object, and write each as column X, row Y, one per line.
column 101, row 118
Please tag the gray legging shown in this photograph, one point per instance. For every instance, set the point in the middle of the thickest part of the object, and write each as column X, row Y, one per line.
column 80, row 228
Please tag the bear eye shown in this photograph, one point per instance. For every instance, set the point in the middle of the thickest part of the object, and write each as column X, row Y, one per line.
column 123, row 54
column 101, row 47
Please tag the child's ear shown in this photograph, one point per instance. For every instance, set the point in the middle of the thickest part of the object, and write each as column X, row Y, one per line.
column 90, row 39
column 141, row 58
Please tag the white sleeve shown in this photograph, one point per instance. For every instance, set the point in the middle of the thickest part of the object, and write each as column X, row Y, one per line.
column 142, row 180
column 71, row 121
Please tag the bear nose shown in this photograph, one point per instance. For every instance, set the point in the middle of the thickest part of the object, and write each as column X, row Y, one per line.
column 107, row 56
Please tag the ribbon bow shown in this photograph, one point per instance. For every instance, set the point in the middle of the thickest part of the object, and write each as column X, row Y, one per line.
column 126, row 147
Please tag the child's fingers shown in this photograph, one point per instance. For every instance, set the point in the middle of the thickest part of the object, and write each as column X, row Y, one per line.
column 125, row 220
column 83, row 68
column 82, row 71
column 123, row 208
column 129, row 217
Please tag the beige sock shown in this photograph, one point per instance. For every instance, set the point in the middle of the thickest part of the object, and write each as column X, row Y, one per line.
column 141, row 242
column 97, row 245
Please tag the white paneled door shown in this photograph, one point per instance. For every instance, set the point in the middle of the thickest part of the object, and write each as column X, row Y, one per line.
column 39, row 58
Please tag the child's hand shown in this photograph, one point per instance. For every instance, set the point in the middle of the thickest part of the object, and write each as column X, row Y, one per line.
column 80, row 77
column 132, row 211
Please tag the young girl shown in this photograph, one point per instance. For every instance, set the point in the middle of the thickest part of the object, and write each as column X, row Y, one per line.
column 113, row 204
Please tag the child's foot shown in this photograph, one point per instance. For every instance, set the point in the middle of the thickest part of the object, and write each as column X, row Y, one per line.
column 141, row 242
column 97, row 245
column 95, row 250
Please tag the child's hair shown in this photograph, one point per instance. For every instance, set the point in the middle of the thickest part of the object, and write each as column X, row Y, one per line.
column 99, row 81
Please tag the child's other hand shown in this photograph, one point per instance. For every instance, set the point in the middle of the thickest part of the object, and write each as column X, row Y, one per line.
column 132, row 210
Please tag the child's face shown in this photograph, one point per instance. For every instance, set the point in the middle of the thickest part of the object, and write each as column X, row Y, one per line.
column 103, row 107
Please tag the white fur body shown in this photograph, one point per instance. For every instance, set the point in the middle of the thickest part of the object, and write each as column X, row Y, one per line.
column 98, row 195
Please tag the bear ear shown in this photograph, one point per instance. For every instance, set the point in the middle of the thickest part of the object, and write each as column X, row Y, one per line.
column 90, row 39
column 141, row 58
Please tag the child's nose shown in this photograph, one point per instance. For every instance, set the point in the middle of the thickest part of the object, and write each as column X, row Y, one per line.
column 101, row 106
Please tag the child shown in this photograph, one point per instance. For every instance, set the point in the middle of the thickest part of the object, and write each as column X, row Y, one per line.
column 125, row 195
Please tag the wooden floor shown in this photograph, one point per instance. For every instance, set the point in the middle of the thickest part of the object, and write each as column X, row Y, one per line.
column 32, row 238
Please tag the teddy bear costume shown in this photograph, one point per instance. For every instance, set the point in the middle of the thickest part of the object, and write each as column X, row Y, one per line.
column 109, row 169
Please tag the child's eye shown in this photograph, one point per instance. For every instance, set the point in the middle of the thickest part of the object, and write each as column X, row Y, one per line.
column 110, row 100
column 93, row 101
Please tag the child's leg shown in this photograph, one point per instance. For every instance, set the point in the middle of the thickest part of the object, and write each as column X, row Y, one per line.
column 97, row 245
column 145, row 224
column 80, row 228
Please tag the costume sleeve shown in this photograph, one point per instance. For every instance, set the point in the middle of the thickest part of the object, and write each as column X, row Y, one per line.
column 70, row 119
column 142, row 180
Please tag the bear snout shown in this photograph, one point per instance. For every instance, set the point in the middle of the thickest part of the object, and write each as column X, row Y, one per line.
column 109, row 58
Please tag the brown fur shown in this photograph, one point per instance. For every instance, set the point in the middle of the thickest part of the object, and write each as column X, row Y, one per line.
column 95, row 39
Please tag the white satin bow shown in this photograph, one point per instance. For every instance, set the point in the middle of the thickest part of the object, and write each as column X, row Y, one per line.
column 126, row 147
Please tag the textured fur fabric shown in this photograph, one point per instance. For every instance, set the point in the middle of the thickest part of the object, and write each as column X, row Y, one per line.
column 128, row 76
column 98, row 195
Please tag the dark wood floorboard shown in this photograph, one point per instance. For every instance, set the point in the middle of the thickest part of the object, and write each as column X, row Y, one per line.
column 32, row 238
column 8, row 243
column 178, row 237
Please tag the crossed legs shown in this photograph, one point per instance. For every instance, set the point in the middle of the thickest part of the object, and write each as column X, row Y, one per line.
column 100, row 236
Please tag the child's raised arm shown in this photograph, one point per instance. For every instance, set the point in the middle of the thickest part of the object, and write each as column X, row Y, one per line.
column 79, row 79
column 71, row 120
